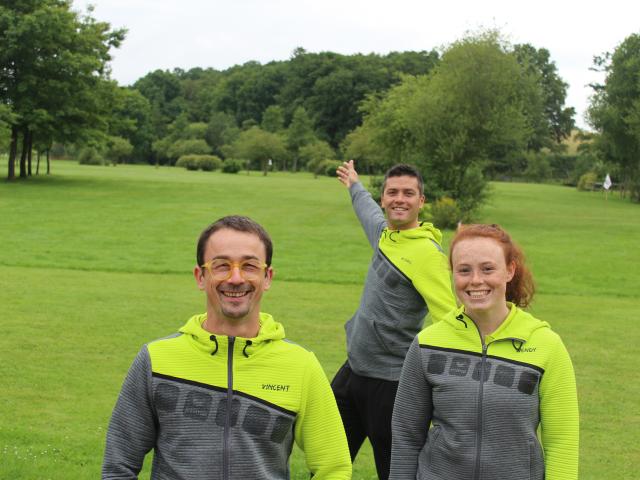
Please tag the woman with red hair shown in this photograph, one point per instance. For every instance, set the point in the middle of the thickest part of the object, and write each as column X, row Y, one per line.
column 489, row 392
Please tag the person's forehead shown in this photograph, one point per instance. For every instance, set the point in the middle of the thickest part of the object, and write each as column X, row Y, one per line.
column 234, row 243
column 403, row 181
column 477, row 249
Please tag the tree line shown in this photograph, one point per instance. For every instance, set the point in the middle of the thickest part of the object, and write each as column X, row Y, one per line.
column 478, row 109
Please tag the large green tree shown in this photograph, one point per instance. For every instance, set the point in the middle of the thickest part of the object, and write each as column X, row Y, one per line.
column 221, row 130
column 52, row 71
column 615, row 112
column 359, row 146
column 556, row 122
column 258, row 147
column 163, row 90
column 131, row 119
column 456, row 122
column 299, row 134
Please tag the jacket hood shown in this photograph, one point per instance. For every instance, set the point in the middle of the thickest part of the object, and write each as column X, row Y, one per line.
column 424, row 230
column 519, row 325
column 269, row 330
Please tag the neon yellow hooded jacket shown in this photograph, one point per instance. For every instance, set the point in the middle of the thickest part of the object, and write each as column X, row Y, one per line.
column 485, row 401
column 222, row 407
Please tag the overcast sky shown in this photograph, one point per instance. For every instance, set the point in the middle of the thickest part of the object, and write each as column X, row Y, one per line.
column 166, row 34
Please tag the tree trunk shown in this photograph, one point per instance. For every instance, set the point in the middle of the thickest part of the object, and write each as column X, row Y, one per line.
column 23, row 155
column 29, row 150
column 11, row 174
column 48, row 163
column 264, row 168
column 38, row 162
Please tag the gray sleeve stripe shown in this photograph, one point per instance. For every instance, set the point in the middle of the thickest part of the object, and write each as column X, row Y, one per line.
column 224, row 390
column 437, row 245
column 394, row 266
column 478, row 354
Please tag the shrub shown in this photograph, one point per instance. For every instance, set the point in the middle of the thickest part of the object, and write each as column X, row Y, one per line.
column 444, row 213
column 315, row 153
column 328, row 167
column 375, row 188
column 587, row 181
column 181, row 148
column 590, row 162
column 90, row 156
column 231, row 165
column 188, row 161
column 207, row 163
column 118, row 150
column 323, row 167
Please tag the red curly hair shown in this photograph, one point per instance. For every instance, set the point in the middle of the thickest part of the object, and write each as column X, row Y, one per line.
column 521, row 288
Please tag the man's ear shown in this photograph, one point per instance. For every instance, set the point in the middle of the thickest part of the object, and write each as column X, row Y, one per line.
column 198, row 274
column 269, row 273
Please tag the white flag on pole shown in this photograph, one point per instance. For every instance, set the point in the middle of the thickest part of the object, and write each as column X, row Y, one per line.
column 607, row 182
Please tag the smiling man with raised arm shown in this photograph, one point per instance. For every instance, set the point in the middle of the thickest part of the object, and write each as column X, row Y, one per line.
column 408, row 278
column 226, row 397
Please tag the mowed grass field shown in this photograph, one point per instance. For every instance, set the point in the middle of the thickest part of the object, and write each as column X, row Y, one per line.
column 96, row 261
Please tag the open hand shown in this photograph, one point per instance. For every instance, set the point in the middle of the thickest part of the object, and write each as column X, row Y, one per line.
column 347, row 173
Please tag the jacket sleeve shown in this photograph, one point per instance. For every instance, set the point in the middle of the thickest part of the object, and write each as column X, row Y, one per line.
column 432, row 280
column 319, row 432
column 412, row 413
column 132, row 430
column 368, row 212
column 559, row 416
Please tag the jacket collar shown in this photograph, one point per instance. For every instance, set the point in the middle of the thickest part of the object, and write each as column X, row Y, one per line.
column 424, row 230
column 519, row 325
column 213, row 344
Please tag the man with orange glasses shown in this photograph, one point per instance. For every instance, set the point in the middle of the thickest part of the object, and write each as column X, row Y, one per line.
column 226, row 396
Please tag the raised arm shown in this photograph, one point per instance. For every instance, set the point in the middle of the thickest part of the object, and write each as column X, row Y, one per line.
column 132, row 430
column 367, row 210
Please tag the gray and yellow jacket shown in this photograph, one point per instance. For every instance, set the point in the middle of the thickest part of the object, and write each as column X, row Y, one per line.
column 217, row 407
column 408, row 278
column 485, row 401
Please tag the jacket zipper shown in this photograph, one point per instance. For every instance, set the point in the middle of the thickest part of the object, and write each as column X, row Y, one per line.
column 476, row 473
column 226, row 449
column 485, row 347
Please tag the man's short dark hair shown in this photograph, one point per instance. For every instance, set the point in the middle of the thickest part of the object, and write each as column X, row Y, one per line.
column 402, row 170
column 238, row 223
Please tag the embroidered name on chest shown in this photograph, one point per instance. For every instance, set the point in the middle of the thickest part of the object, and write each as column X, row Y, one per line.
column 275, row 387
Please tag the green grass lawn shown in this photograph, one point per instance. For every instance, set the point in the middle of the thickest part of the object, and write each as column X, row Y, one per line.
column 96, row 261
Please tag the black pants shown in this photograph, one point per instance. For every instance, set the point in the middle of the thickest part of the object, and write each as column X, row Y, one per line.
column 366, row 406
